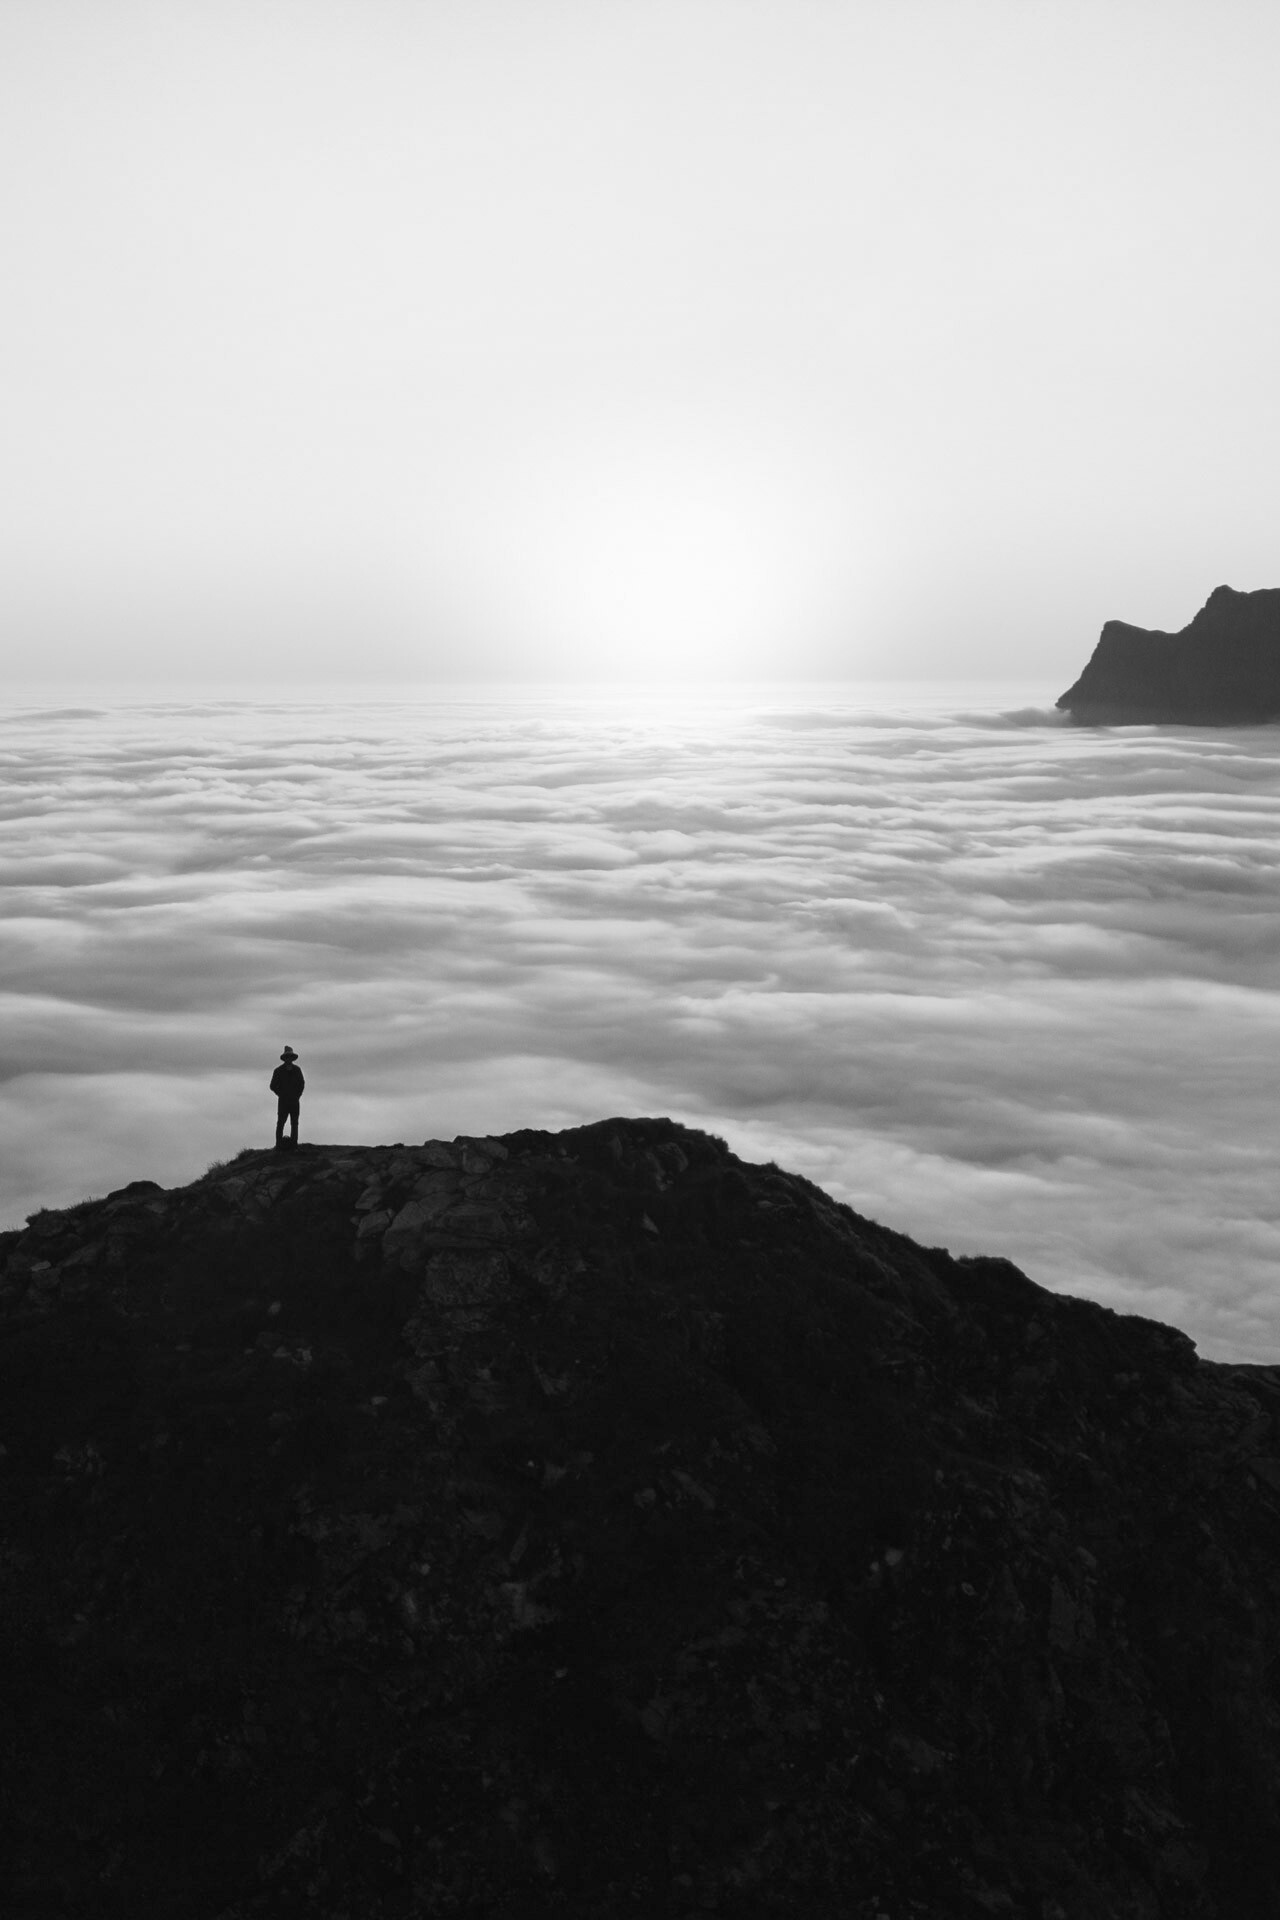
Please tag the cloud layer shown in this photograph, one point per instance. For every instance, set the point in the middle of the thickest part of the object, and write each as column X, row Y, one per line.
column 1004, row 984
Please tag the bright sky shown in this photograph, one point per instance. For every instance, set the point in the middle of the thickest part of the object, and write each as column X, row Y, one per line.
column 601, row 337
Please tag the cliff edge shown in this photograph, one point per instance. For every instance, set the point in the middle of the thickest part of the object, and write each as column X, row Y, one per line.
column 592, row 1523
column 1222, row 669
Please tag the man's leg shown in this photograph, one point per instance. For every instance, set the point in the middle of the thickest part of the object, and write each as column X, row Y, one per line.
column 293, row 1124
column 282, row 1114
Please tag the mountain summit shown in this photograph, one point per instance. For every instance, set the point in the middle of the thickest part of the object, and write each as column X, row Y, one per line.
column 1224, row 668
column 591, row 1523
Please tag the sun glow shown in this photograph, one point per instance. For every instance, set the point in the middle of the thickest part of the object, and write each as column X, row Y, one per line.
column 666, row 562
column 680, row 575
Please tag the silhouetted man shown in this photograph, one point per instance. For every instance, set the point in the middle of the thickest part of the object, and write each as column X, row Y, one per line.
column 287, row 1084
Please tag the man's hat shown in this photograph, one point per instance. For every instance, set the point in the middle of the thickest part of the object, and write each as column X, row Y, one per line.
column 288, row 1054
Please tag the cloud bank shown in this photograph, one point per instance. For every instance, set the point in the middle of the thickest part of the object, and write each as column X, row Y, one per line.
column 1004, row 984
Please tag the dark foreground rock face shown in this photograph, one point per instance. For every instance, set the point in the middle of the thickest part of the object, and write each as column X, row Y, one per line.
column 591, row 1524
column 1223, row 669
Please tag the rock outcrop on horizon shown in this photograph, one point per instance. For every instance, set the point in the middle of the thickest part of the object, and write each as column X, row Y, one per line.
column 1222, row 669
column 590, row 1524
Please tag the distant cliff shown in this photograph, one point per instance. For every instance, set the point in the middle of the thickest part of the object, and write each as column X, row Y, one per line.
column 1224, row 668
column 591, row 1524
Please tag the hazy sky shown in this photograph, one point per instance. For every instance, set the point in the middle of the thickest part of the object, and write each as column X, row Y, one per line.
column 590, row 336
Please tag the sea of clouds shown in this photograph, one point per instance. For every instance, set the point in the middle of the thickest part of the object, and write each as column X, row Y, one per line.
column 1006, row 984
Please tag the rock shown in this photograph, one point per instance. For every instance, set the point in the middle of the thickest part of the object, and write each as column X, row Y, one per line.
column 434, row 1153
column 372, row 1225
column 765, row 1563
column 136, row 1190
column 1222, row 669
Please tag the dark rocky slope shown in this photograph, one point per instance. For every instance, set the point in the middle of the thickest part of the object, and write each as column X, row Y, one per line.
column 1224, row 668
column 591, row 1524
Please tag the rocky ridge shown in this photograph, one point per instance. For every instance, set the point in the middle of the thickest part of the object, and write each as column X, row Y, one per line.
column 591, row 1524
column 1223, row 668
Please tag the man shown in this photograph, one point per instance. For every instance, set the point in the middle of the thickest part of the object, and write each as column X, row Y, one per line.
column 287, row 1084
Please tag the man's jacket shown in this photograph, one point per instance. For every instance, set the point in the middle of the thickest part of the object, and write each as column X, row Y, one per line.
column 287, row 1082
